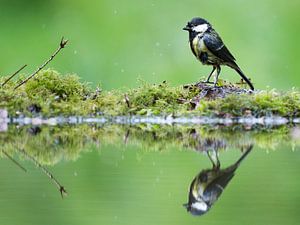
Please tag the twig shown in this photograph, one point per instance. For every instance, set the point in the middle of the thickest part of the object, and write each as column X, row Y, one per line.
column 14, row 161
column 13, row 75
column 61, row 188
column 127, row 100
column 126, row 136
column 61, row 46
column 241, row 82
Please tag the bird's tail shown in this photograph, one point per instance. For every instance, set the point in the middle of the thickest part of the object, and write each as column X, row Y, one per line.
column 233, row 167
column 249, row 148
column 237, row 69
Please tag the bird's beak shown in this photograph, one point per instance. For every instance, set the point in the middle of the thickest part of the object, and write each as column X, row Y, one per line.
column 187, row 28
column 186, row 205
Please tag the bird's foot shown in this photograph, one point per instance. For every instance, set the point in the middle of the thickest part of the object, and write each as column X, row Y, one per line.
column 216, row 85
column 206, row 82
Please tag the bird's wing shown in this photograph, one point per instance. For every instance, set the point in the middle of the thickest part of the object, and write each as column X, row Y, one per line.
column 215, row 44
column 216, row 187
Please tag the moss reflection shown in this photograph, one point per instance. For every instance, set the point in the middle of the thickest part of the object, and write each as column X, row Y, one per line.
column 52, row 144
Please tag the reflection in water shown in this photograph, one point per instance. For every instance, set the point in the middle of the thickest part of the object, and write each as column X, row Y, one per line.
column 108, row 173
column 14, row 161
column 61, row 188
column 209, row 184
column 48, row 145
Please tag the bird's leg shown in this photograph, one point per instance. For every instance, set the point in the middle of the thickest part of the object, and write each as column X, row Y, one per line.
column 213, row 156
column 211, row 73
column 217, row 75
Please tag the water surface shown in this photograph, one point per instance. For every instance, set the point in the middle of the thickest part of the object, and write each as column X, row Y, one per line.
column 141, row 174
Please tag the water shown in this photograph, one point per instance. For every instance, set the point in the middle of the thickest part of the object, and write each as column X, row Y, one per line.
column 141, row 173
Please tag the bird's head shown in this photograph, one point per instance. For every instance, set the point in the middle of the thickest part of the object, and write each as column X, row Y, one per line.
column 197, row 208
column 197, row 25
column 197, row 204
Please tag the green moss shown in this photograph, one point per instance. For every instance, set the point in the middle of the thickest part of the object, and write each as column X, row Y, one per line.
column 263, row 103
column 156, row 99
column 50, row 94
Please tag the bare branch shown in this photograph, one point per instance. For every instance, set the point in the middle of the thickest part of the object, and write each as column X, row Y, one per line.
column 13, row 75
column 14, row 161
column 63, row 42
column 61, row 46
column 61, row 188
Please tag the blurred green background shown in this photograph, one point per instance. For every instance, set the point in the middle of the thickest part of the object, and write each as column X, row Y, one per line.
column 116, row 42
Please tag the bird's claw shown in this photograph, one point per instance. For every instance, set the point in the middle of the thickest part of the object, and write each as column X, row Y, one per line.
column 206, row 82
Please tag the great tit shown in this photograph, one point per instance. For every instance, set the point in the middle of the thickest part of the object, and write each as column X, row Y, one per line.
column 209, row 49
column 209, row 184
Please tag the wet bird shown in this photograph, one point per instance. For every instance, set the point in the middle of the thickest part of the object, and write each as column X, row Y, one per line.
column 209, row 184
column 209, row 49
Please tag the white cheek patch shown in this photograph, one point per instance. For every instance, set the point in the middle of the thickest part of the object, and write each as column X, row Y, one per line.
column 200, row 28
column 200, row 206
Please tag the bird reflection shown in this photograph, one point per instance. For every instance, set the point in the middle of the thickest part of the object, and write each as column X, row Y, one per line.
column 209, row 184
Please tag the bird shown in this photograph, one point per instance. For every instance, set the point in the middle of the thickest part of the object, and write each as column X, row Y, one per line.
column 209, row 49
column 208, row 185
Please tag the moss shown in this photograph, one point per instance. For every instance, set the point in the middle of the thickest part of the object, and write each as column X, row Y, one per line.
column 54, row 95
column 156, row 99
column 51, row 94
column 262, row 103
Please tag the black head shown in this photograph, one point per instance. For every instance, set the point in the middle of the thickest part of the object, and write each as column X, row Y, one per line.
column 197, row 25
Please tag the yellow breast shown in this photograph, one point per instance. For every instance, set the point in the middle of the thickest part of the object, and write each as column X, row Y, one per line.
column 198, row 46
column 195, row 46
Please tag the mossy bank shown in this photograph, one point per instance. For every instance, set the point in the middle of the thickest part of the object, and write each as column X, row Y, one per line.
column 51, row 94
